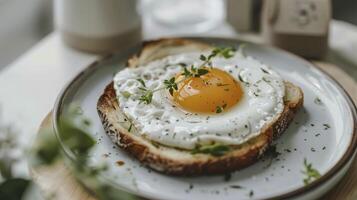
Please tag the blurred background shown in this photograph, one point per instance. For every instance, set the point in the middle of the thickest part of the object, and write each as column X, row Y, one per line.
column 32, row 20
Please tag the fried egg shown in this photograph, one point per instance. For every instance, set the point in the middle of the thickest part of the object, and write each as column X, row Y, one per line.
column 228, row 105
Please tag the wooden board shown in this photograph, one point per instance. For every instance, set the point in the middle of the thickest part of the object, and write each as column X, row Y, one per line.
column 57, row 182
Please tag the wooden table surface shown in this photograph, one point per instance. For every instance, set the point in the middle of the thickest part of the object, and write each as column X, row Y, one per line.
column 56, row 181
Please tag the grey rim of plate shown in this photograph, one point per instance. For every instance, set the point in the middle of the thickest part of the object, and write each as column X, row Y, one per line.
column 57, row 111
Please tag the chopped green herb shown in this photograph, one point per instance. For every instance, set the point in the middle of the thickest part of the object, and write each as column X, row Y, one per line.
column 318, row 101
column 240, row 78
column 143, row 89
column 219, row 109
column 326, row 126
column 171, row 85
column 203, row 57
column 86, row 122
column 201, row 72
column 214, row 150
column 236, row 186
column 266, row 80
column 130, row 127
column 227, row 177
column 146, row 97
column 251, row 193
column 141, row 81
column 265, row 71
column 226, row 52
column 310, row 173
column 186, row 72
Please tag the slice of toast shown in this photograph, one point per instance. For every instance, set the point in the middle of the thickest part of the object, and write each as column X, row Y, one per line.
column 176, row 161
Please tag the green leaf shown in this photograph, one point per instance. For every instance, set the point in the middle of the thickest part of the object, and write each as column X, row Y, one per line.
column 214, row 150
column 141, row 81
column 13, row 189
column 203, row 57
column 186, row 73
column 215, row 51
column 219, row 109
column 202, row 71
column 175, row 86
column 143, row 89
column 265, row 71
column 171, row 85
column 167, row 83
column 147, row 97
column 130, row 127
column 226, row 52
column 266, row 80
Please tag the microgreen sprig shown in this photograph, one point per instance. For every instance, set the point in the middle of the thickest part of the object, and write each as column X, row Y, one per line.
column 220, row 109
column 194, row 72
column 147, row 95
column 172, row 84
column 225, row 52
column 310, row 173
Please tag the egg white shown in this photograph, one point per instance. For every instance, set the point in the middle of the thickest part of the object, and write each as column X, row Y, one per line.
column 163, row 122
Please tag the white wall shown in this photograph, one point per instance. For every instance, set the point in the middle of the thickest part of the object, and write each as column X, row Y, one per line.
column 22, row 24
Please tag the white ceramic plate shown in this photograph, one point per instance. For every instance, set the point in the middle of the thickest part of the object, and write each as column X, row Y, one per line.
column 323, row 133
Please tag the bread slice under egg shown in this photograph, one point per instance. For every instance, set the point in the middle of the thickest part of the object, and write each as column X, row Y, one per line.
column 176, row 161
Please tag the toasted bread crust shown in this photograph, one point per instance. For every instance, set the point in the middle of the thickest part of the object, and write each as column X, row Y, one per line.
column 191, row 165
column 234, row 160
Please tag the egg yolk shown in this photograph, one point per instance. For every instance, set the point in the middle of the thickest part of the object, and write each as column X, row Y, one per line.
column 214, row 92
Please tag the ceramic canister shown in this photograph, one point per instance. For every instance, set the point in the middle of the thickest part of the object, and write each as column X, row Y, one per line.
column 299, row 26
column 98, row 26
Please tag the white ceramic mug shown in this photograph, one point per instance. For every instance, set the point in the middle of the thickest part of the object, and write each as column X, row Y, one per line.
column 98, row 26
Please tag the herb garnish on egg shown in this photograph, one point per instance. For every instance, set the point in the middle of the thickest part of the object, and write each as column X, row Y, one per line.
column 171, row 85
column 220, row 109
